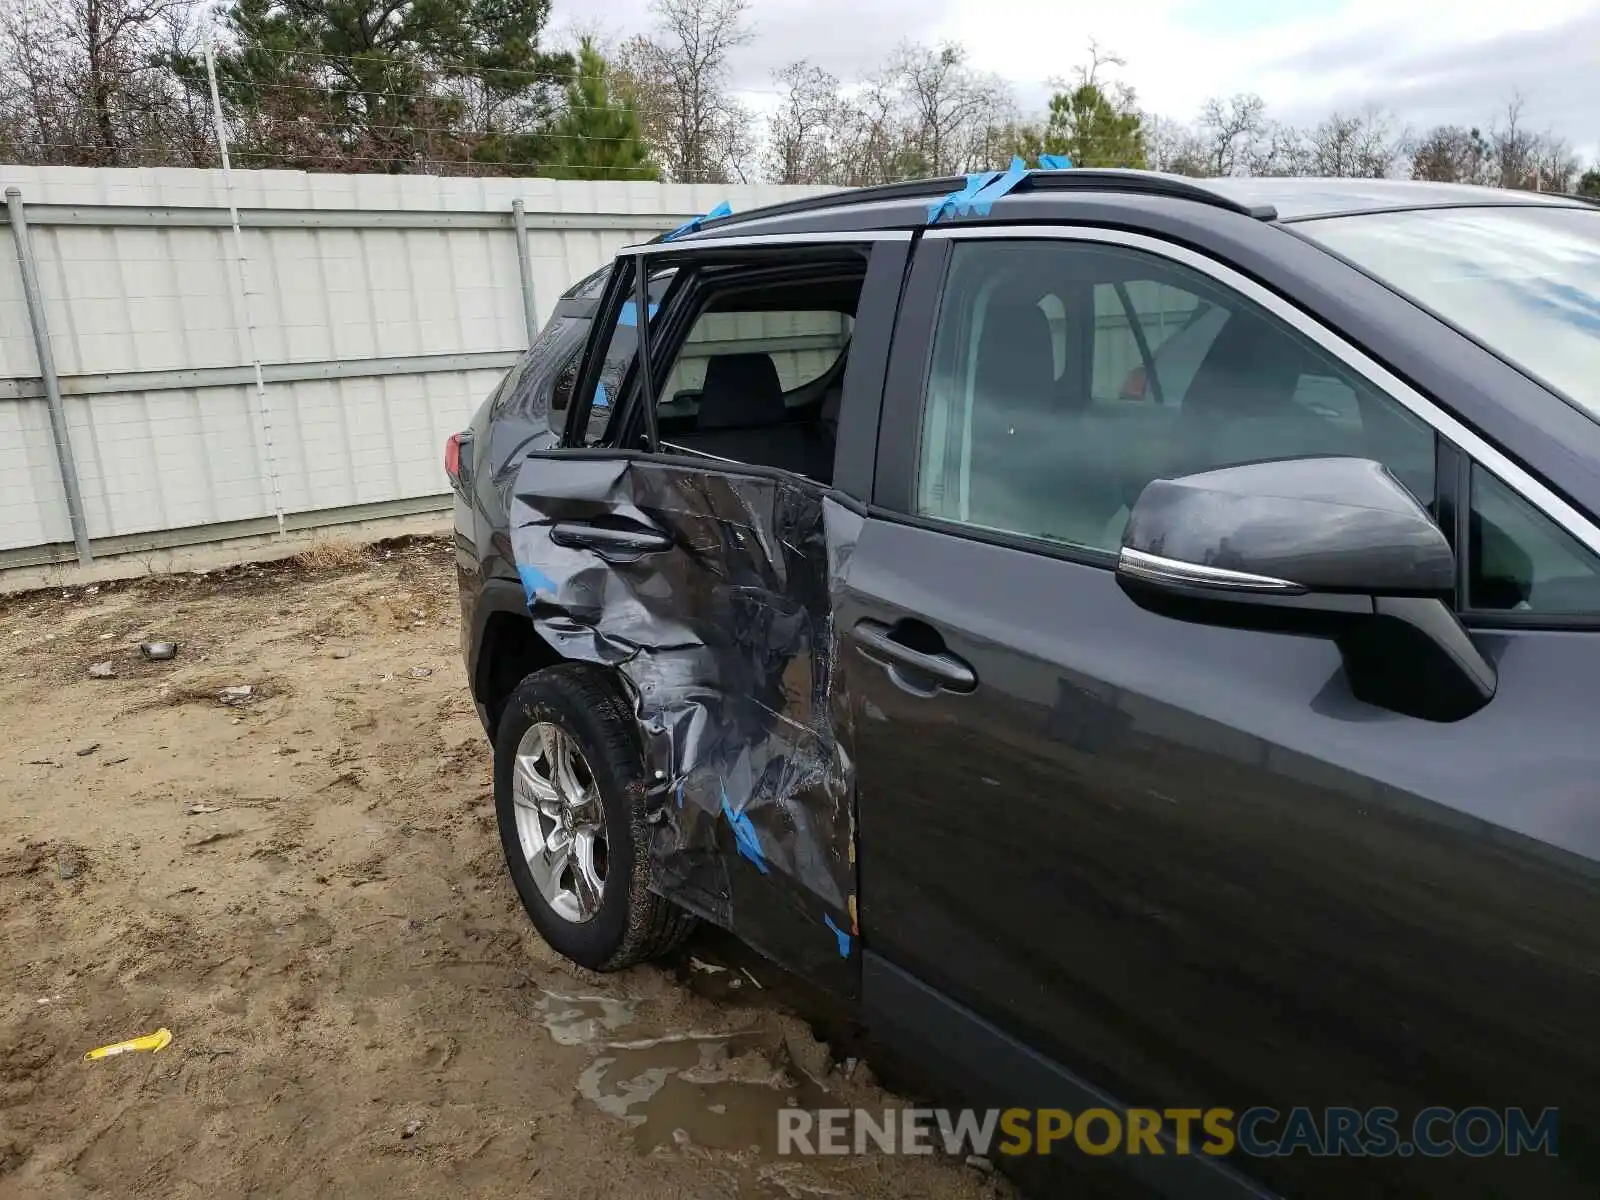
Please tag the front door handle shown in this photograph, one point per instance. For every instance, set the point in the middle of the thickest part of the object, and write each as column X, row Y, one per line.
column 877, row 642
column 609, row 540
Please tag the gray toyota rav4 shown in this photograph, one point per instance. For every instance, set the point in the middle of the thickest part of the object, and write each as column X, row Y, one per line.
column 1135, row 639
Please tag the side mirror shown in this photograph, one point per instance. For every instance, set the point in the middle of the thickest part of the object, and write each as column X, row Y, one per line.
column 1323, row 547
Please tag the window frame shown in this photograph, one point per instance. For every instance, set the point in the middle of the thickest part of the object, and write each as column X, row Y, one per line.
column 1456, row 446
column 683, row 306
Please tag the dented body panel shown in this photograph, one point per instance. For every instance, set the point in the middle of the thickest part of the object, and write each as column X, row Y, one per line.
column 724, row 639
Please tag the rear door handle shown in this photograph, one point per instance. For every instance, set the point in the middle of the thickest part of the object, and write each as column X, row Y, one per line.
column 607, row 540
column 878, row 643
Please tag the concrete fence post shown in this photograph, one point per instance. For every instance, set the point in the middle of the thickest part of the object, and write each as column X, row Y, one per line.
column 530, row 315
column 47, row 372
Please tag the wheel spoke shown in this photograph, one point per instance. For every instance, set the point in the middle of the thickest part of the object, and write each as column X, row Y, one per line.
column 557, row 857
column 531, row 790
column 586, row 882
column 563, row 776
column 587, row 813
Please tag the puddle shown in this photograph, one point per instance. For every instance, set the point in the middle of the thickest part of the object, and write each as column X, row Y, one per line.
column 583, row 1020
column 716, row 1091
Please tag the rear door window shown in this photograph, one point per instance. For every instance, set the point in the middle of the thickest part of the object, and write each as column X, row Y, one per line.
column 621, row 349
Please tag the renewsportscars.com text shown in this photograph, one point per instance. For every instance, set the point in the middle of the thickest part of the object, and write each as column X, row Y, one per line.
column 1260, row 1132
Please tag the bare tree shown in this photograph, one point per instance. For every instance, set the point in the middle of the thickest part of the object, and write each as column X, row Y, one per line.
column 1172, row 146
column 1279, row 149
column 954, row 115
column 678, row 78
column 1230, row 130
column 1514, row 149
column 802, row 132
column 872, row 142
column 90, row 83
column 1361, row 146
column 1451, row 154
column 1556, row 168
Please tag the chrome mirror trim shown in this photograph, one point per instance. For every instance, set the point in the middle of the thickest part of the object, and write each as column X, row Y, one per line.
column 1153, row 568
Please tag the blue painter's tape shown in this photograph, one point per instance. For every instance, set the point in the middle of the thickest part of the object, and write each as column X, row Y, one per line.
column 844, row 938
column 680, row 793
column 693, row 223
column 601, row 400
column 630, row 314
column 533, row 580
column 984, row 200
column 744, row 833
column 1054, row 162
column 957, row 202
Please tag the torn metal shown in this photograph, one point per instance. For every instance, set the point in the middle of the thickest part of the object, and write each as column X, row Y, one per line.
column 710, row 595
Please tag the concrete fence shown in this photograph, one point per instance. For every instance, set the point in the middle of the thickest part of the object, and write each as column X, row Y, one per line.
column 286, row 355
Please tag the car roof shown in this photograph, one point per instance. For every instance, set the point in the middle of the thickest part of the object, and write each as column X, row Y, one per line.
column 905, row 205
column 1306, row 199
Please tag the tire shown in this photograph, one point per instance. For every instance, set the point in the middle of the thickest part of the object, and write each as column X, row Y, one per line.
column 630, row 923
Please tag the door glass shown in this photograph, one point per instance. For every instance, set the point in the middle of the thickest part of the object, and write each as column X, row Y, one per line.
column 1519, row 560
column 1018, row 440
column 621, row 349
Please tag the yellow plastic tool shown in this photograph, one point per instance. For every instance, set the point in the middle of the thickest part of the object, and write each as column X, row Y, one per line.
column 159, row 1040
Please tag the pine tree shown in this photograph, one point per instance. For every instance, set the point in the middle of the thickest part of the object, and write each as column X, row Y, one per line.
column 598, row 137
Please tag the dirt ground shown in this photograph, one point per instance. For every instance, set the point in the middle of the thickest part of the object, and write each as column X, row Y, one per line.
column 305, row 887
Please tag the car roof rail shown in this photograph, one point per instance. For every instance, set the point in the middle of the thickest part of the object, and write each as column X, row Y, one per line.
column 1145, row 183
column 1088, row 179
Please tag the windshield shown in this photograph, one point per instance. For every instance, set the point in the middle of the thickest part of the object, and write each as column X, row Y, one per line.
column 1523, row 281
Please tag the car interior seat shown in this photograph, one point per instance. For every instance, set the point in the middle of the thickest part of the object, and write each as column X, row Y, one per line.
column 1031, row 469
column 743, row 417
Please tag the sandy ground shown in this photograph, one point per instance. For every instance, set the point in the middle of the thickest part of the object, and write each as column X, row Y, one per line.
column 306, row 889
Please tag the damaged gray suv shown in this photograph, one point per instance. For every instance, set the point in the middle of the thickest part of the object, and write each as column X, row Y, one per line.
column 1137, row 639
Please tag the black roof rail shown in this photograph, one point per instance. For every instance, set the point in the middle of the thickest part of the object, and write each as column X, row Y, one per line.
column 911, row 189
column 1147, row 183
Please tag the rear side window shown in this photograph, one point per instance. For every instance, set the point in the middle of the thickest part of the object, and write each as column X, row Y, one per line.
column 531, row 388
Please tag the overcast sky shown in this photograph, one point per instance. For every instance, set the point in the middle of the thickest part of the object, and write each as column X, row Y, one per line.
column 1430, row 61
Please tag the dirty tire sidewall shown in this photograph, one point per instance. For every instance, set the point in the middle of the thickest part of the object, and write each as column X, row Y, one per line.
column 581, row 702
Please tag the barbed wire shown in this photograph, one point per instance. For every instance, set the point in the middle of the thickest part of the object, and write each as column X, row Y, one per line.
column 334, row 157
column 465, row 70
column 562, row 106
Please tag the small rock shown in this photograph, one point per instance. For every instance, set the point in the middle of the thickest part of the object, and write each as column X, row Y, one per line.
column 92, row 590
column 200, row 810
column 411, row 1129
column 102, row 670
column 680, row 1138
column 111, row 762
column 341, row 653
column 67, row 864
column 158, row 651
column 980, row 1164
column 236, row 695
column 106, row 637
column 85, row 751
column 421, row 672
